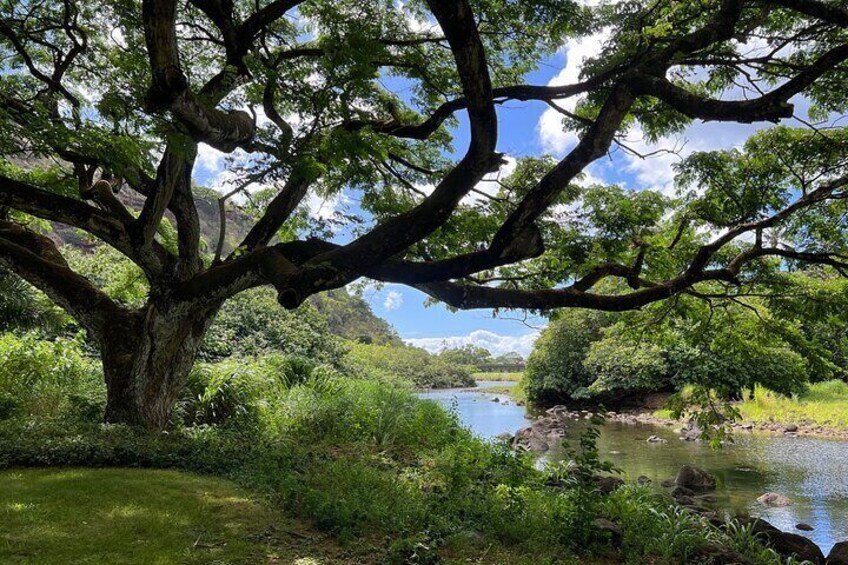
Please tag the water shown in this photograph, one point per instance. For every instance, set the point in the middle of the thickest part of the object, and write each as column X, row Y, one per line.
column 813, row 473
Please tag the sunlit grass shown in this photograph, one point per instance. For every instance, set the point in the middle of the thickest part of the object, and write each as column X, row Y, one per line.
column 510, row 376
column 824, row 403
column 50, row 516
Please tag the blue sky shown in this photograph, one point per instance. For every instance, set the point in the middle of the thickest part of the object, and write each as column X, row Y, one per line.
column 526, row 128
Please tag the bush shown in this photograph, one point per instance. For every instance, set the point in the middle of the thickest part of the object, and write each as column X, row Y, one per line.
column 48, row 380
column 411, row 365
column 621, row 368
column 555, row 369
column 252, row 324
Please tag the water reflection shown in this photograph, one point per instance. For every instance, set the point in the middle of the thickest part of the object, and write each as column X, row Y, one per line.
column 813, row 473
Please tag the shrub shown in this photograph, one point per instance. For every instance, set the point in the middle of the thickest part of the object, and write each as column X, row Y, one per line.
column 252, row 324
column 555, row 370
column 41, row 379
column 411, row 365
column 621, row 368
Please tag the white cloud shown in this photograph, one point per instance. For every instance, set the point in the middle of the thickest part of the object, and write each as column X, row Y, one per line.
column 209, row 160
column 323, row 208
column 496, row 344
column 394, row 300
column 551, row 134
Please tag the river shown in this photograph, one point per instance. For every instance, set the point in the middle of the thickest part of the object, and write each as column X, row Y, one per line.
column 813, row 473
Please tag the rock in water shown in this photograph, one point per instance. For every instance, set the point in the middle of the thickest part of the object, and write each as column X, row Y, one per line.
column 694, row 478
column 656, row 439
column 839, row 554
column 774, row 500
column 804, row 527
column 787, row 544
column 608, row 484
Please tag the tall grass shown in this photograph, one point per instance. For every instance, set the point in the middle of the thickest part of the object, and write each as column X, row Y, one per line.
column 823, row 403
column 361, row 458
column 496, row 376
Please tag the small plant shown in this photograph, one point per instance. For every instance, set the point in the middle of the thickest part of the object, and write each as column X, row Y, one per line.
column 581, row 466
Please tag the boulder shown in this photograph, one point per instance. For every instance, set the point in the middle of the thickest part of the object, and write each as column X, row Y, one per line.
column 679, row 491
column 694, row 478
column 787, row 544
column 804, row 527
column 839, row 554
column 796, row 545
column 610, row 528
column 608, row 484
column 774, row 500
column 723, row 555
column 791, row 428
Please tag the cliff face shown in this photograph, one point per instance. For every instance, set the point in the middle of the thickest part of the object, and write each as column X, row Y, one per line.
column 238, row 222
column 351, row 317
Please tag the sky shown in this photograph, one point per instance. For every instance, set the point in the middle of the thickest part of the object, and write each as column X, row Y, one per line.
column 526, row 128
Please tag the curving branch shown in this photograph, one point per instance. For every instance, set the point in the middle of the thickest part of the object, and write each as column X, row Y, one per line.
column 35, row 258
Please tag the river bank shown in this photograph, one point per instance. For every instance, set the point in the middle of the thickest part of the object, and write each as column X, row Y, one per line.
column 821, row 412
column 806, row 469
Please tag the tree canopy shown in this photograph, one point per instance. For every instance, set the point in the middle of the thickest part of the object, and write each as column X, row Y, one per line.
column 364, row 98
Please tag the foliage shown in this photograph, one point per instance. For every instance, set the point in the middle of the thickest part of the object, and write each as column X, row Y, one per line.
column 411, row 365
column 357, row 457
column 48, row 380
column 470, row 355
column 555, row 368
column 116, row 275
column 252, row 324
column 824, row 403
column 621, row 367
column 23, row 308
column 725, row 347
column 94, row 104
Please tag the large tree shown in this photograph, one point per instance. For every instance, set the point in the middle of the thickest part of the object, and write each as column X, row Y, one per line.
column 320, row 97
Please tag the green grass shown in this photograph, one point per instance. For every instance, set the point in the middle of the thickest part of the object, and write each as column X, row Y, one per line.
column 132, row 516
column 824, row 403
column 516, row 391
column 512, row 376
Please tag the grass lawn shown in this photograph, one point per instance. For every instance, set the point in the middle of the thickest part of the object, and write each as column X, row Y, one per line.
column 126, row 516
column 514, row 376
column 823, row 403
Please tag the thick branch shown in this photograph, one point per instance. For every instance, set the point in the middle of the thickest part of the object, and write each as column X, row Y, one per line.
column 35, row 258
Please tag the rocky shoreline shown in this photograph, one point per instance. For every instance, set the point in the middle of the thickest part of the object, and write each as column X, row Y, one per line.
column 692, row 488
column 803, row 428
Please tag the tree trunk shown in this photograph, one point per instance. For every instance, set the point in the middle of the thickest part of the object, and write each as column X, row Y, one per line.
column 146, row 361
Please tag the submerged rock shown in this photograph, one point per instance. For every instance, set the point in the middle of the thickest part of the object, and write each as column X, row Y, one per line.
column 694, row 478
column 774, row 500
column 656, row 439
